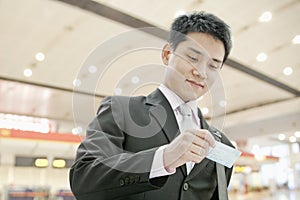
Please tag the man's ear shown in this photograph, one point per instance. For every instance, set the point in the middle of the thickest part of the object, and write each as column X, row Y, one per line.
column 165, row 54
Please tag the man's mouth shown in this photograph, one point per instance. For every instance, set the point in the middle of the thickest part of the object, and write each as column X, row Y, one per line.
column 195, row 83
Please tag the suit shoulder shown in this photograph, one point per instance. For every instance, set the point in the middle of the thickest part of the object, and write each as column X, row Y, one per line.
column 122, row 102
column 122, row 99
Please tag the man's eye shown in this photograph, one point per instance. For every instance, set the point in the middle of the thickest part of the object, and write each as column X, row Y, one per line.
column 193, row 59
column 214, row 66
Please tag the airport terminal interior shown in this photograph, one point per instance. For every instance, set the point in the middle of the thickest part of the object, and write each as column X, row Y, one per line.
column 60, row 58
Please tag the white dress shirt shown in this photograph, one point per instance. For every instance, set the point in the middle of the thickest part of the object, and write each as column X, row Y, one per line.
column 175, row 101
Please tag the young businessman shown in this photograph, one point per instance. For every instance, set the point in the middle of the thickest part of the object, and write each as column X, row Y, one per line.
column 138, row 148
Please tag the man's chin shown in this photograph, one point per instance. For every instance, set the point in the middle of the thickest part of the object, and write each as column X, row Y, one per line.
column 198, row 95
column 191, row 96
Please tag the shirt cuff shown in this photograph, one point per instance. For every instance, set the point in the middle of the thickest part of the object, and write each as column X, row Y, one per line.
column 158, row 169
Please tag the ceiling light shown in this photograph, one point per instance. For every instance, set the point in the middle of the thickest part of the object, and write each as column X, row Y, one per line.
column 205, row 110
column 261, row 57
column 77, row 82
column 296, row 39
column 292, row 139
column 135, row 80
column 92, row 69
column 222, row 103
column 297, row 133
column 287, row 71
column 281, row 137
column 265, row 17
column 118, row 91
column 27, row 72
column 39, row 56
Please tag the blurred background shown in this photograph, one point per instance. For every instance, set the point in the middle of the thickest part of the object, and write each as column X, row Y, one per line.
column 59, row 58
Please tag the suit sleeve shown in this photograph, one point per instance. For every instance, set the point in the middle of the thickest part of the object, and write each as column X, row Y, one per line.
column 103, row 169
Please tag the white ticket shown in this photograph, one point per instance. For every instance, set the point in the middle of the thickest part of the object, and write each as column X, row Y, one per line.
column 223, row 154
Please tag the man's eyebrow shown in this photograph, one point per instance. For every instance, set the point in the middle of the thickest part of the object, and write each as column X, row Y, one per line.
column 195, row 50
column 217, row 60
column 199, row 52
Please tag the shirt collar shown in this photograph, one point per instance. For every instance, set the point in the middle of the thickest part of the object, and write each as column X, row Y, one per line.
column 175, row 100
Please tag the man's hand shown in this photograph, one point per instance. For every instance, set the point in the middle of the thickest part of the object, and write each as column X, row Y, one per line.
column 192, row 145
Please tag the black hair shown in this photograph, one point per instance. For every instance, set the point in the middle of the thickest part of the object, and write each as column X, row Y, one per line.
column 200, row 22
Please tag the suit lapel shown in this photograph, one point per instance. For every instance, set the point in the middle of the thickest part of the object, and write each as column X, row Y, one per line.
column 162, row 111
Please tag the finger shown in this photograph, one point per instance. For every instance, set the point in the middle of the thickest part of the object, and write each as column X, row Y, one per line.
column 211, row 140
column 196, row 149
column 200, row 151
column 201, row 142
column 195, row 157
column 207, row 136
column 201, row 133
column 204, row 135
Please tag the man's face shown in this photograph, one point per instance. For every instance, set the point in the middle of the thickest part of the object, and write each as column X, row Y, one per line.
column 194, row 66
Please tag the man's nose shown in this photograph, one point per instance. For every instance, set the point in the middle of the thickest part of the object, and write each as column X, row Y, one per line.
column 200, row 71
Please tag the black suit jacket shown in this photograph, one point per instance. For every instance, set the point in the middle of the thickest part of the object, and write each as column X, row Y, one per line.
column 115, row 159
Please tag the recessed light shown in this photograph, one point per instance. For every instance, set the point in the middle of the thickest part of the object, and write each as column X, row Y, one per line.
column 296, row 39
column 135, row 80
column 118, row 91
column 27, row 72
column 292, row 139
column 39, row 56
column 77, row 82
column 222, row 103
column 265, row 17
column 92, row 69
column 287, row 71
column 281, row 137
column 261, row 57
column 205, row 110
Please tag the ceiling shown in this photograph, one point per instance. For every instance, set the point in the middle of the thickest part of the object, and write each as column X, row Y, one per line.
column 93, row 48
